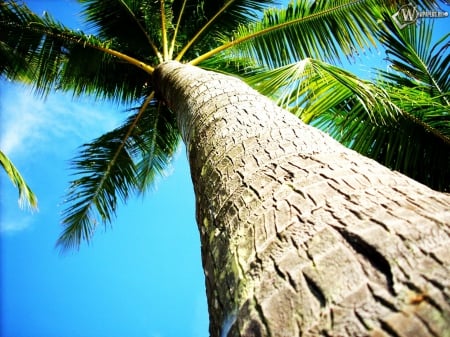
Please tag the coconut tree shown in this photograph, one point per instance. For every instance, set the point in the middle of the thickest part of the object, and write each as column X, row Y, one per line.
column 300, row 235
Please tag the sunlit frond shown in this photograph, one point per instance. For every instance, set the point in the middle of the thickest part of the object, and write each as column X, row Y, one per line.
column 237, row 67
column 26, row 195
column 325, row 30
column 434, row 112
column 310, row 87
column 321, row 30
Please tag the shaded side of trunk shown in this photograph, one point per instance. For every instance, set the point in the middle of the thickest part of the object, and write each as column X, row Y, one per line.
column 301, row 236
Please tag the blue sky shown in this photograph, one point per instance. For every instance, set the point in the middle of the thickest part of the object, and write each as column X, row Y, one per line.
column 143, row 277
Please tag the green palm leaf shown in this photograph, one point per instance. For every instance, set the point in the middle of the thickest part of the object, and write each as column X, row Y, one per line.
column 415, row 61
column 157, row 142
column 408, row 145
column 113, row 166
column 325, row 30
column 419, row 84
column 26, row 195
column 141, row 37
column 311, row 87
column 152, row 24
column 99, row 77
column 53, row 57
column 321, row 30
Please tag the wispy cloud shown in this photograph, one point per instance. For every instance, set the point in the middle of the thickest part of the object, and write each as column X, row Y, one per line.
column 49, row 130
column 30, row 123
column 11, row 227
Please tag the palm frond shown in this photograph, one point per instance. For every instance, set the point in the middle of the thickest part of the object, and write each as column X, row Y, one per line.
column 418, row 83
column 158, row 140
column 415, row 61
column 104, row 76
column 231, row 66
column 408, row 145
column 321, row 30
column 141, row 37
column 311, row 87
column 26, row 195
column 325, row 30
column 123, row 161
column 51, row 56
column 433, row 112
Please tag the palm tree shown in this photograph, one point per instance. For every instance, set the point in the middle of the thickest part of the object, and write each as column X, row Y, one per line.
column 300, row 235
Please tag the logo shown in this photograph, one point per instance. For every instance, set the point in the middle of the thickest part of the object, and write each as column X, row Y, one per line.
column 408, row 15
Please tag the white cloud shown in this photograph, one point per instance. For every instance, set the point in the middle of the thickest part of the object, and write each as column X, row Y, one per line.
column 15, row 226
column 30, row 124
column 33, row 131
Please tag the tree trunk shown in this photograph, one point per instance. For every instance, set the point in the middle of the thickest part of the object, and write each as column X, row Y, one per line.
column 300, row 235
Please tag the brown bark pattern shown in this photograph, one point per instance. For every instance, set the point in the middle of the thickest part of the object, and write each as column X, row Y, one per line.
column 300, row 235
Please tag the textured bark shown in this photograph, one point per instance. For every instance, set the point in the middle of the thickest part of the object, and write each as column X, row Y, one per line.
column 300, row 235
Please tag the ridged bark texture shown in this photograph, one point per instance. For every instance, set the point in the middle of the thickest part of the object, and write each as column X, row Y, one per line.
column 301, row 236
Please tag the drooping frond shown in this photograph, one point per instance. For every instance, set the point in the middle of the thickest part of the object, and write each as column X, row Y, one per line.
column 324, row 30
column 26, row 195
column 104, row 76
column 123, row 161
column 409, row 145
column 159, row 139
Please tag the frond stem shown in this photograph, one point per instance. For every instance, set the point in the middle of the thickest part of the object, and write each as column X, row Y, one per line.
column 144, row 66
column 164, row 30
column 172, row 44
column 427, row 127
column 202, row 30
column 120, row 148
column 150, row 41
column 84, row 41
